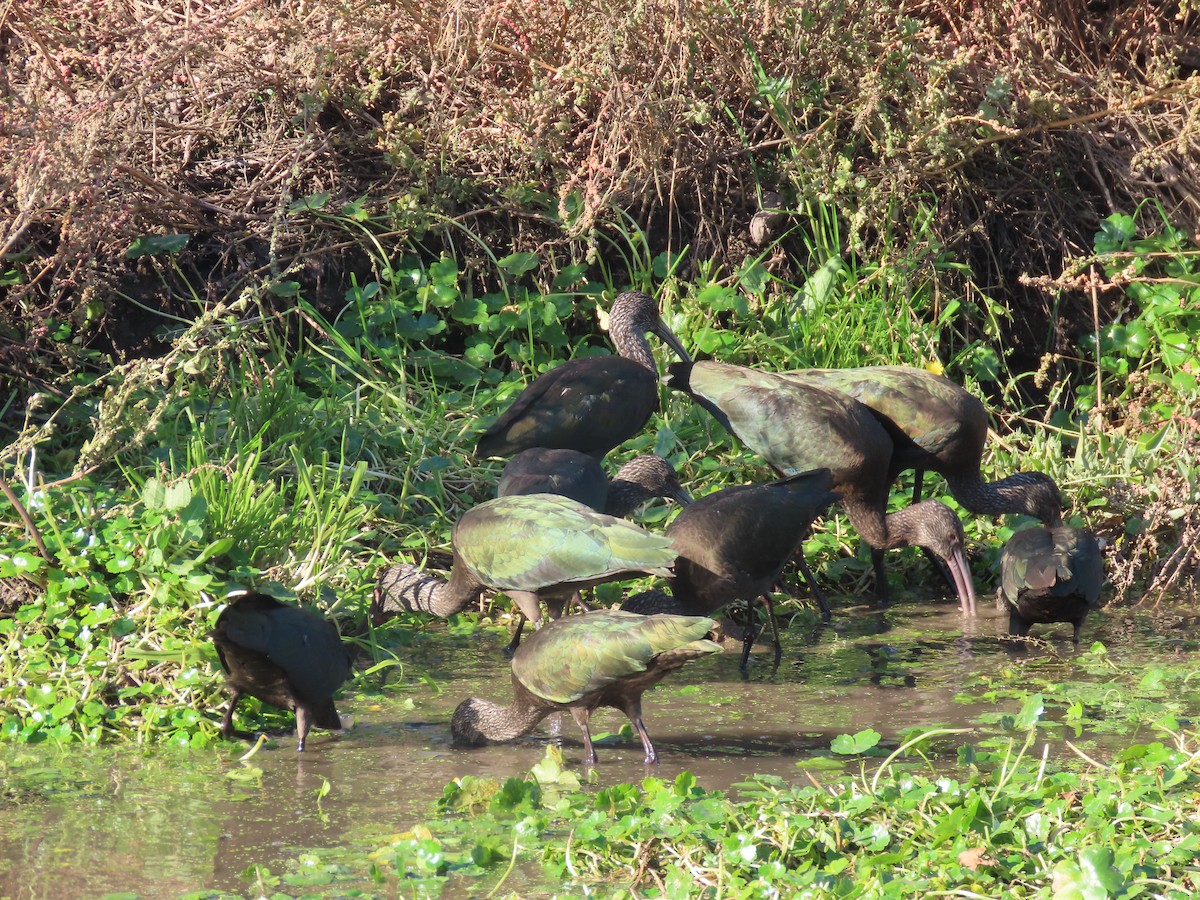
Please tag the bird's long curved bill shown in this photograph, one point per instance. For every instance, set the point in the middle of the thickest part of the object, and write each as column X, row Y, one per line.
column 964, row 585
column 669, row 338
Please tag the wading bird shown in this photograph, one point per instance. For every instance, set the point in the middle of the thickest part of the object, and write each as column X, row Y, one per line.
column 1050, row 575
column 580, row 663
column 283, row 655
column 591, row 404
column 937, row 426
column 581, row 477
column 529, row 546
column 796, row 427
column 734, row 543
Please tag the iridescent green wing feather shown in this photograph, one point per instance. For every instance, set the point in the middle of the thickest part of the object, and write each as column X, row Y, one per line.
column 532, row 541
column 578, row 655
column 755, row 406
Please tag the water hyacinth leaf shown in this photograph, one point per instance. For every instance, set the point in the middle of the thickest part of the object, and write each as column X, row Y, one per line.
column 1093, row 877
column 1031, row 712
column 861, row 742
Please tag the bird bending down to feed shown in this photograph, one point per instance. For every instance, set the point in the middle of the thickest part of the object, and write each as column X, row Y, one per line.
column 582, row 478
column 935, row 425
column 734, row 543
column 1050, row 575
column 797, row 427
column 590, row 404
column 283, row 655
column 529, row 546
column 580, row 663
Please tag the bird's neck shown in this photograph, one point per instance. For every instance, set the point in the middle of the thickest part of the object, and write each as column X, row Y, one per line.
column 1008, row 496
column 504, row 723
column 406, row 587
column 624, row 497
column 881, row 531
column 631, row 343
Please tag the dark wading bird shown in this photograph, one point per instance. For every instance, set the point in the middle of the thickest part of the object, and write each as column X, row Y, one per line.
column 529, row 546
column 582, row 478
column 591, row 404
column 937, row 426
column 733, row 545
column 796, row 427
column 1050, row 575
column 580, row 663
column 283, row 655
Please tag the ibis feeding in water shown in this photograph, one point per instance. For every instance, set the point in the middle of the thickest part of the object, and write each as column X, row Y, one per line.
column 529, row 546
column 283, row 655
column 581, row 477
column 591, row 404
column 1050, row 575
column 580, row 663
column 796, row 427
column 937, row 426
column 734, row 543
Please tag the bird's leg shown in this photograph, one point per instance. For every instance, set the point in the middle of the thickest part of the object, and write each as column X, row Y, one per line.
column 774, row 628
column 527, row 603
column 582, row 714
column 881, row 583
column 634, row 710
column 1016, row 625
column 747, row 638
column 516, row 638
column 227, row 722
column 583, row 607
column 811, row 581
column 918, row 477
column 303, row 724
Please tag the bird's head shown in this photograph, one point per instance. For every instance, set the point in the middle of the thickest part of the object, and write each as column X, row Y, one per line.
column 656, row 476
column 465, row 724
column 636, row 311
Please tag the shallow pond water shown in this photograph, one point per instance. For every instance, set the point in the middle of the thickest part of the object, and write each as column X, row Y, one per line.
column 162, row 822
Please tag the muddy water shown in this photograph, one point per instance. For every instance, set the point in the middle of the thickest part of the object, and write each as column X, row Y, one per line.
column 161, row 822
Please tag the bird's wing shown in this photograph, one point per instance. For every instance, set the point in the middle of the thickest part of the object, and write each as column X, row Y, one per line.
column 578, row 655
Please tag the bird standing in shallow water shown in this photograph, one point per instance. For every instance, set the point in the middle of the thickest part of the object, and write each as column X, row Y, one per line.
column 581, row 477
column 734, row 543
column 1050, row 575
column 935, row 425
column 591, row 404
column 283, row 655
column 529, row 546
column 580, row 663
column 797, row 427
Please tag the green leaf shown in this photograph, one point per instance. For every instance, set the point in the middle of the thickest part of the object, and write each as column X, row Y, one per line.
column 311, row 202
column 156, row 244
column 1031, row 712
column 858, row 743
column 517, row 264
